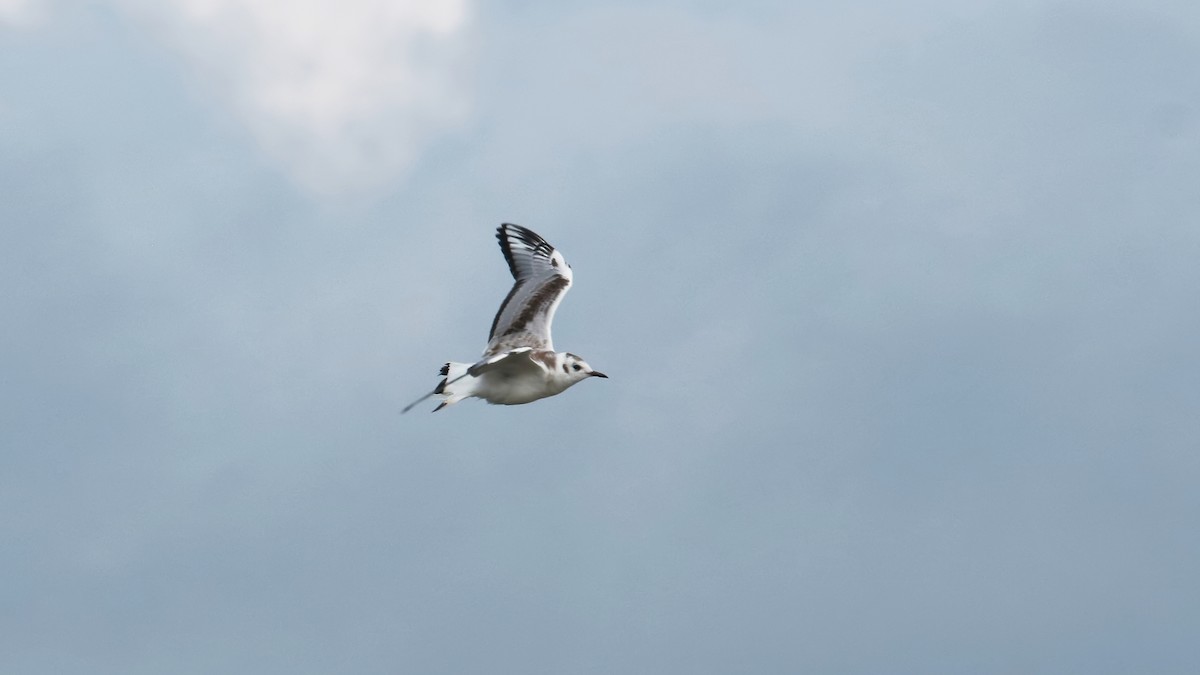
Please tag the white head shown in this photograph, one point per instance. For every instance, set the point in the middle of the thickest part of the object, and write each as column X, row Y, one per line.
column 577, row 369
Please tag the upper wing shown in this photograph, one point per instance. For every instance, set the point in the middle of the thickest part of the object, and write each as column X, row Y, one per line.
column 507, row 359
column 542, row 279
column 520, row 361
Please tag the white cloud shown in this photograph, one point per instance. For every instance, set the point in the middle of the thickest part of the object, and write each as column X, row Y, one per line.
column 344, row 94
column 21, row 13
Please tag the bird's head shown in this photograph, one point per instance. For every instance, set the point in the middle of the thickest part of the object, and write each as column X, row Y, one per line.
column 577, row 369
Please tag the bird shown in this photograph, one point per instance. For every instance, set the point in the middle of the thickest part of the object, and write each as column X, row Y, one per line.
column 519, row 364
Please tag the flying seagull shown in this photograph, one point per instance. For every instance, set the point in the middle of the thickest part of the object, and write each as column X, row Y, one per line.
column 519, row 364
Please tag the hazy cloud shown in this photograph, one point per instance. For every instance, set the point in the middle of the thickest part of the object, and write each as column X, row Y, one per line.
column 344, row 95
column 19, row 13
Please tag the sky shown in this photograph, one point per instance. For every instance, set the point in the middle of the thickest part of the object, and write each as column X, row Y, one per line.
column 898, row 303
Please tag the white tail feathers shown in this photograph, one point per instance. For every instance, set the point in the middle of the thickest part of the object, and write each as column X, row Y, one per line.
column 455, row 385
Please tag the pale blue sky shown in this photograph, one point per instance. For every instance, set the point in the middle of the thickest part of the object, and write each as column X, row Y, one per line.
column 899, row 306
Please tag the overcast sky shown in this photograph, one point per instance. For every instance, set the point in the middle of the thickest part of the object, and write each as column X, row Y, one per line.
column 900, row 304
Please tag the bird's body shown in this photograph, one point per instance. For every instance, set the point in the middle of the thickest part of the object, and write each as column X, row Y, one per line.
column 520, row 364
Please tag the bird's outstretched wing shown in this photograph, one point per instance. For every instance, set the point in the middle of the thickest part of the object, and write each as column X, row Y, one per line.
column 542, row 279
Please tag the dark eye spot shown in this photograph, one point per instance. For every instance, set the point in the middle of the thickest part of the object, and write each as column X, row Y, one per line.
column 576, row 366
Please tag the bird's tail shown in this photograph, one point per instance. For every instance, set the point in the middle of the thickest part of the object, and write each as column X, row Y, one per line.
column 456, row 385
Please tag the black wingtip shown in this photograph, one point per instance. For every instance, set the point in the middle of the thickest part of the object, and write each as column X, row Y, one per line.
column 522, row 234
column 509, row 232
column 505, row 246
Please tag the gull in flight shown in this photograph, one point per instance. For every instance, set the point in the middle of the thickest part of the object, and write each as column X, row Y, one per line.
column 519, row 364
